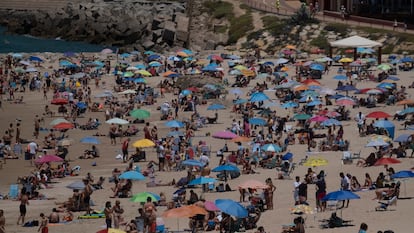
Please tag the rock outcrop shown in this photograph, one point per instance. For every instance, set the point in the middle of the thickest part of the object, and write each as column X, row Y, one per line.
column 132, row 24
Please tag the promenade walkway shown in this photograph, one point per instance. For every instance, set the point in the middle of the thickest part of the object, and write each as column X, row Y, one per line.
column 289, row 7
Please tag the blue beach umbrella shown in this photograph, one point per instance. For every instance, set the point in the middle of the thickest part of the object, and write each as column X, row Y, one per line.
column 340, row 196
column 155, row 64
column 236, row 91
column 226, row 167
column 269, row 63
column 272, row 148
column 257, row 121
column 316, row 66
column 174, row 124
column 140, row 80
column 65, row 63
column 154, row 57
column 287, row 156
column 140, row 66
column 36, row 59
column 125, row 55
column 132, row 175
column 340, row 77
column 175, row 134
column 90, row 140
column 347, row 88
column 232, row 208
column 212, row 67
column 216, row 107
column 149, row 52
column 258, row 96
column 403, row 138
column 240, row 101
column 314, row 103
column 186, row 92
column 202, row 180
column 403, row 174
column 290, row 104
column 81, row 105
column 331, row 122
column 393, row 78
column 407, row 111
column 407, row 59
column 192, row 162
column 78, row 185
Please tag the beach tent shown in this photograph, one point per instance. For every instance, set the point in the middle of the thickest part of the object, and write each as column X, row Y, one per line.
column 387, row 125
column 355, row 42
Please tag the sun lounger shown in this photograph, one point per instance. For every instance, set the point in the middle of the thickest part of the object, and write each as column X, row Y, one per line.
column 384, row 205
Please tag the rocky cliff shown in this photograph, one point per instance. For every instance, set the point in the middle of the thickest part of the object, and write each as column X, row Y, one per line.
column 135, row 24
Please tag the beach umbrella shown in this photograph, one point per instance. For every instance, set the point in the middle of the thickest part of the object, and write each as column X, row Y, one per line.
column 375, row 91
column 377, row 143
column 175, row 134
column 240, row 67
column 287, row 156
column 236, row 91
column 174, row 124
column 143, row 72
column 212, row 67
column 253, row 184
column 393, row 78
column 63, row 126
column 269, row 63
column 407, row 111
column 300, row 88
column 35, row 59
column 290, row 104
column 346, row 60
column 153, row 57
column 65, row 142
column 403, row 138
column 127, row 92
column 132, row 175
column 330, row 122
column 317, row 66
column 378, row 114
column 340, row 77
column 140, row 80
column 240, row 101
column 407, row 59
column 232, row 208
column 226, row 168
column 224, row 135
column 332, row 114
column 404, row 102
column 241, row 139
column 143, row 143
column 384, row 67
column 318, row 118
column 185, row 211
column 48, row 159
column 202, row 180
column 281, row 61
column 316, row 162
column 58, row 121
column 377, row 137
column 301, row 116
column 347, row 88
column 106, row 51
column 271, row 148
column 31, row 69
column 78, row 185
column 155, row 64
column 90, row 140
column 117, row 121
column 210, row 206
column 139, row 114
column 341, row 195
column 216, row 107
column 386, row 161
column 258, row 96
column 192, row 162
column 384, row 124
column 345, row 102
column 59, row 101
column 301, row 209
column 257, row 121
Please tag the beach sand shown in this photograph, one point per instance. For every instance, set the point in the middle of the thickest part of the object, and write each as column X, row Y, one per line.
column 362, row 210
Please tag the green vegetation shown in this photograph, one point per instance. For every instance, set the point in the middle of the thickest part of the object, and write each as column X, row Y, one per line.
column 274, row 25
column 302, row 17
column 320, row 42
column 239, row 26
column 337, row 28
column 388, row 49
column 219, row 9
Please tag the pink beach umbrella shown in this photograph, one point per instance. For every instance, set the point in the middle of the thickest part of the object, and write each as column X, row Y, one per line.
column 210, row 206
column 224, row 135
column 345, row 102
column 318, row 118
column 48, row 159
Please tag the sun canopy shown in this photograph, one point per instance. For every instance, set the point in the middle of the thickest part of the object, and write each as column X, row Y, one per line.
column 354, row 42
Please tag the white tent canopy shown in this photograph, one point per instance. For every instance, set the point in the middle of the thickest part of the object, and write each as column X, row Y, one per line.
column 354, row 42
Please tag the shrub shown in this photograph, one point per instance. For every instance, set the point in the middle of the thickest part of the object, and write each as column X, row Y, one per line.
column 239, row 26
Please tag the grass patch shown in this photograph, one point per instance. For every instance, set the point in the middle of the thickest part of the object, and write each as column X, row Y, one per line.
column 239, row 26
column 320, row 42
column 219, row 9
column 337, row 28
column 273, row 25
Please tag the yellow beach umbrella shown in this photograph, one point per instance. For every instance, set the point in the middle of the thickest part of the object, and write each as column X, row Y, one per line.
column 142, row 143
column 290, row 47
column 377, row 137
column 143, row 72
column 113, row 230
column 346, row 60
column 240, row 67
column 301, row 209
column 182, row 54
column 202, row 62
column 248, row 73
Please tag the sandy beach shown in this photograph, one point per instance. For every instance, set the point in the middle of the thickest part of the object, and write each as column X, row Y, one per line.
column 361, row 210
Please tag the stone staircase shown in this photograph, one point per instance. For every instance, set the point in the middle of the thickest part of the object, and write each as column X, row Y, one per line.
column 35, row 4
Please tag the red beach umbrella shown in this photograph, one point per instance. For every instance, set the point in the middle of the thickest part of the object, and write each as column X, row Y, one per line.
column 48, row 159
column 386, row 161
column 59, row 101
column 378, row 114
column 64, row 125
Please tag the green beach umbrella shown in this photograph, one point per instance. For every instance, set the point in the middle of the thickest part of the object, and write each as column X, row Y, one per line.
column 128, row 74
column 142, row 197
column 140, row 114
column 301, row 116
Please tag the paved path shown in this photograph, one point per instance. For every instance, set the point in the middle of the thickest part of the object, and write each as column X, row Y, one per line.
column 288, row 7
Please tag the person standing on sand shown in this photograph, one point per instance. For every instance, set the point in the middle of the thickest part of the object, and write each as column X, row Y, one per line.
column 43, row 224
column 2, row 222
column 147, row 133
column 36, row 127
column 87, row 195
column 125, row 146
column 24, row 200
column 32, row 150
column 112, row 134
column 108, row 214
